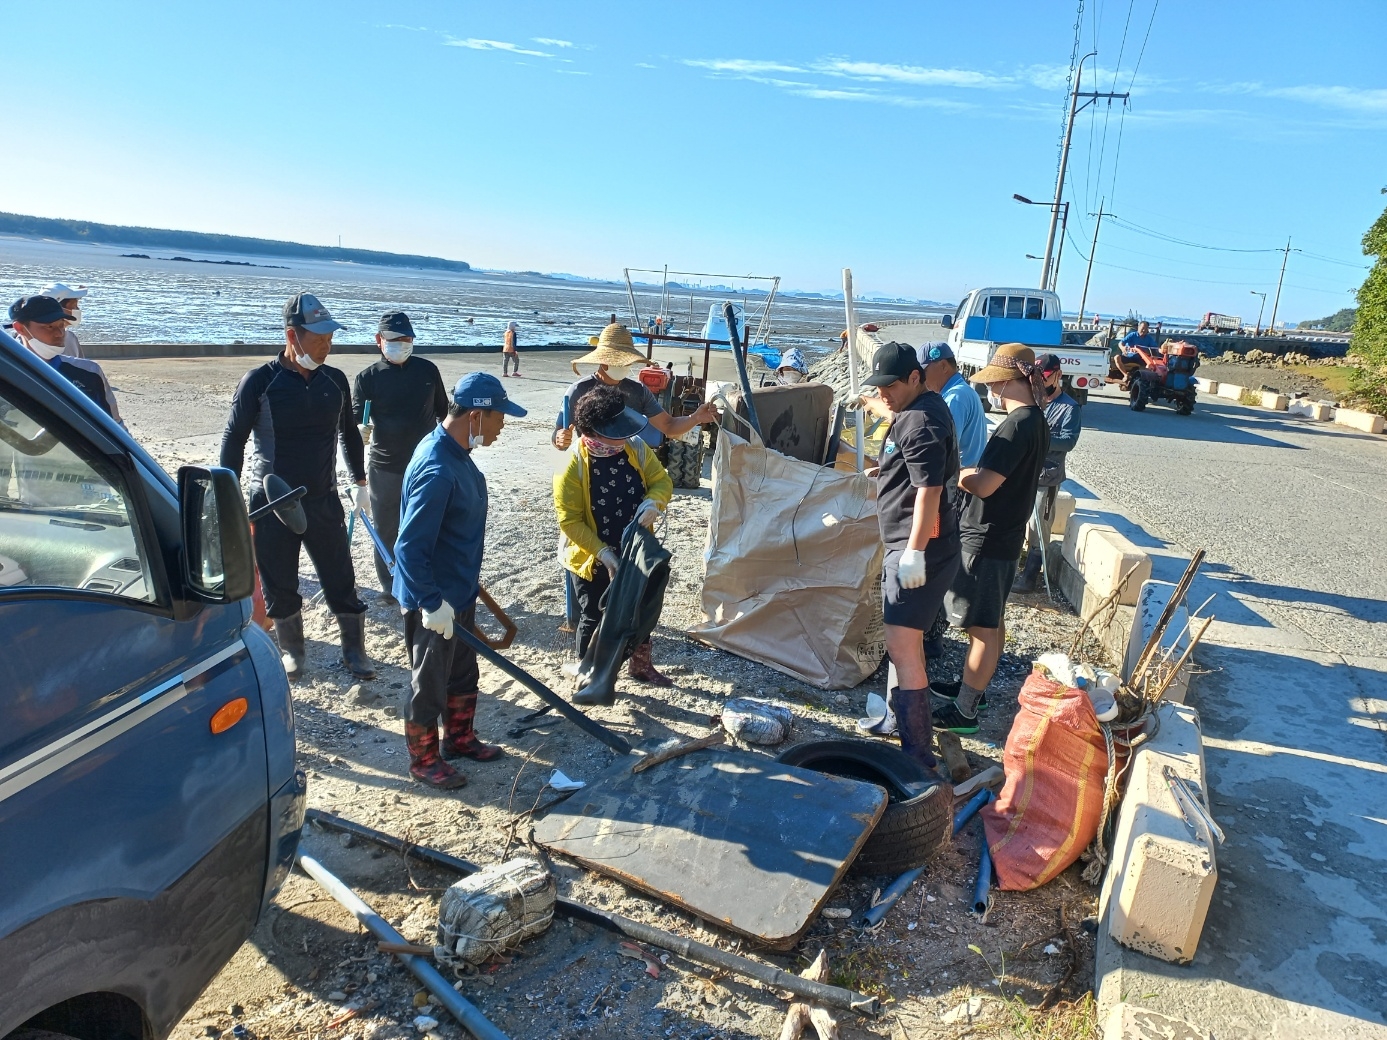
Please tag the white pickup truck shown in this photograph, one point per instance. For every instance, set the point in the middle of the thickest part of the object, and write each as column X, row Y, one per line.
column 989, row 317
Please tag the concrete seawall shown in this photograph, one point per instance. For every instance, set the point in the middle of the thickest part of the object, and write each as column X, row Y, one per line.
column 112, row 351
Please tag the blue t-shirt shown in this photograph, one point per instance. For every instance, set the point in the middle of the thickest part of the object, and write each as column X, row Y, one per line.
column 970, row 423
column 1132, row 340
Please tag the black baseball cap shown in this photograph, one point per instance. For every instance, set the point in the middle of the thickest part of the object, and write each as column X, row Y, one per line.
column 395, row 325
column 303, row 311
column 43, row 310
column 1048, row 364
column 892, row 362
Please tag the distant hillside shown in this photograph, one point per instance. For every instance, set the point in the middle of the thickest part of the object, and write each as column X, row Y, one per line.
column 159, row 238
column 1339, row 321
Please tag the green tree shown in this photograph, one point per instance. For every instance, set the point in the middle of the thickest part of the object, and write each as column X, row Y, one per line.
column 1370, row 327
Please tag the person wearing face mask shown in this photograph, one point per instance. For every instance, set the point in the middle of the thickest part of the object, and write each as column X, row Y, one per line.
column 1064, row 417
column 1002, row 487
column 71, row 300
column 407, row 399
column 610, row 365
column 40, row 323
column 610, row 479
column 438, row 565
column 298, row 409
column 792, row 369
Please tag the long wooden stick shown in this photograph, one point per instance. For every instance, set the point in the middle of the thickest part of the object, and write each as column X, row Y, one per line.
column 1176, row 598
column 1170, row 676
column 697, row 744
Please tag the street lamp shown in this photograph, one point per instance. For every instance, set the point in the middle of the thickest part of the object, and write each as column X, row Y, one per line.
column 1050, row 275
column 1260, row 308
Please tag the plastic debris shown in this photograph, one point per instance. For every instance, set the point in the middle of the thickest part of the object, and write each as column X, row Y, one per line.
column 424, row 1023
column 560, row 782
column 965, row 1012
column 756, row 721
column 837, row 913
column 494, row 910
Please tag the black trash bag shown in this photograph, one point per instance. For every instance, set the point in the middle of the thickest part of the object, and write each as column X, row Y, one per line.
column 630, row 611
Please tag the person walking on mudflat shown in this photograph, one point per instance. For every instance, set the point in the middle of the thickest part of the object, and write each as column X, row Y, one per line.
column 438, row 566
column 509, row 355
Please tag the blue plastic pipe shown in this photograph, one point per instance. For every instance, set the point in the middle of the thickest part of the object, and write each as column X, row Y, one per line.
column 984, row 881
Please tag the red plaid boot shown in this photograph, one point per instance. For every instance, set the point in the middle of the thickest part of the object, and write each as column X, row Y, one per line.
column 424, row 763
column 640, row 668
column 460, row 739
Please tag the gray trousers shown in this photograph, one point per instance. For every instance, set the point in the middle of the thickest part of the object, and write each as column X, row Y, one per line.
column 438, row 668
column 385, row 488
column 1039, row 538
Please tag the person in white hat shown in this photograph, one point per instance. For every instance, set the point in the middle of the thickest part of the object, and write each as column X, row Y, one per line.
column 71, row 300
column 609, row 365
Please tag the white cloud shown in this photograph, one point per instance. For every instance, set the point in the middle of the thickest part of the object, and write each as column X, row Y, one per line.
column 645, row 65
column 1350, row 99
column 496, row 45
column 913, row 74
column 549, row 42
column 740, row 66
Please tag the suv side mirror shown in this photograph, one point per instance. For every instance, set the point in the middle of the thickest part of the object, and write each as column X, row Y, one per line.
column 218, row 560
column 947, row 321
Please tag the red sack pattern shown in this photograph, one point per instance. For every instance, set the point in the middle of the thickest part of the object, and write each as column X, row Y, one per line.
column 1056, row 762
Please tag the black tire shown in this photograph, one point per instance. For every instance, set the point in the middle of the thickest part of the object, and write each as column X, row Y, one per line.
column 685, row 464
column 1184, row 406
column 917, row 822
column 1139, row 398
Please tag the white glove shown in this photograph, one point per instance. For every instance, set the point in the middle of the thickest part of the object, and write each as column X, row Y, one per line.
column 910, row 571
column 361, row 499
column 365, row 432
column 440, row 620
column 648, row 515
column 610, row 560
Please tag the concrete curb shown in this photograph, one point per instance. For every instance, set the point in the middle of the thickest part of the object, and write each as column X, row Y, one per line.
column 133, row 351
column 1317, row 411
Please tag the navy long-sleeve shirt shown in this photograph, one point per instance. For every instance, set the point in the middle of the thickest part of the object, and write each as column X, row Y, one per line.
column 438, row 554
column 296, row 423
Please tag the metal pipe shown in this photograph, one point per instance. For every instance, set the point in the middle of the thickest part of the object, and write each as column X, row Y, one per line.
column 729, row 314
column 593, row 728
column 466, row 1013
column 689, row 949
column 859, row 420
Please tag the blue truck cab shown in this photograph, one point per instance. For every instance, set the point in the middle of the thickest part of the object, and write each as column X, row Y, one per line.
column 149, row 802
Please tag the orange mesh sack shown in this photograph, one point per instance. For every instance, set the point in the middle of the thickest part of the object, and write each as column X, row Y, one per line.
column 1056, row 762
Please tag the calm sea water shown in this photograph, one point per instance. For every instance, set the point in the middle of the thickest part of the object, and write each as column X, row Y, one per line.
column 165, row 301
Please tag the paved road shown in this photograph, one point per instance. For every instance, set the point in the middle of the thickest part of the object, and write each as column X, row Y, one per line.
column 1294, row 711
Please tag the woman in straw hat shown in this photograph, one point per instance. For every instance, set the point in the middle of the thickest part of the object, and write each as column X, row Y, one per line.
column 610, row 364
column 1002, row 487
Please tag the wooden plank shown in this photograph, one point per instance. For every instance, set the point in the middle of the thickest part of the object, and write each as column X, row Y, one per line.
column 732, row 836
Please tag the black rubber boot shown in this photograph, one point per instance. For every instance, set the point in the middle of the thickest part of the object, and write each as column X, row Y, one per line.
column 1025, row 581
column 913, row 721
column 353, row 629
column 289, row 635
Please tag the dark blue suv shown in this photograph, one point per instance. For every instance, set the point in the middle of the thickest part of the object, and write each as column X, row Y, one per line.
column 149, row 802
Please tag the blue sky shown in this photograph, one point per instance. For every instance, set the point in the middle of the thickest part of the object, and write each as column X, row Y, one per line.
column 790, row 139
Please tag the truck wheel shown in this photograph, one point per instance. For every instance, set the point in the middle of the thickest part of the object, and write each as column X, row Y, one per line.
column 919, row 814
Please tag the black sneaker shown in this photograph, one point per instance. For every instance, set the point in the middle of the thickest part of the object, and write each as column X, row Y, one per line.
column 949, row 691
column 949, row 718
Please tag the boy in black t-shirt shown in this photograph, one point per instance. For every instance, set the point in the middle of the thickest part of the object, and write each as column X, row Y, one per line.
column 1002, row 488
column 916, row 492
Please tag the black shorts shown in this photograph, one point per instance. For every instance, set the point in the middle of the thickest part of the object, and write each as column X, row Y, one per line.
column 978, row 598
column 916, row 608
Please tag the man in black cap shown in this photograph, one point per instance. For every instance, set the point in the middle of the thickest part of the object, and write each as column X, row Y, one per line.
column 298, row 409
column 404, row 399
column 917, row 510
column 40, row 323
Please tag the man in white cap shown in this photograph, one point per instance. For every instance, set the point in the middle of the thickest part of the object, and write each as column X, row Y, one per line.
column 509, row 355
column 299, row 410
column 610, row 365
column 71, row 301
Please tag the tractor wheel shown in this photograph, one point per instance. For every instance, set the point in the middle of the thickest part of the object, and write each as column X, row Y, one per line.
column 686, row 463
column 1140, row 395
column 1185, row 406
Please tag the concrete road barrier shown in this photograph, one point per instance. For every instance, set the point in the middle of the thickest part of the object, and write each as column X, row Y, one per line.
column 1151, row 602
column 1320, row 411
column 1368, row 422
column 1064, row 509
column 1276, row 402
column 1163, row 870
column 1208, row 386
column 1101, row 556
column 1129, row 1022
column 1231, row 391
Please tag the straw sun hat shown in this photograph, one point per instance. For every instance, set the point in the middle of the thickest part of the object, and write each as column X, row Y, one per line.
column 615, row 347
column 1011, row 361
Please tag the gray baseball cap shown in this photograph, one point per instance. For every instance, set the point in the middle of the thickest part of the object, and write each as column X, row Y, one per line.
column 305, row 312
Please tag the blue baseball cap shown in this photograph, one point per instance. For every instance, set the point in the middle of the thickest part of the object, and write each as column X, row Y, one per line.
column 303, row 311
column 936, row 351
column 483, row 390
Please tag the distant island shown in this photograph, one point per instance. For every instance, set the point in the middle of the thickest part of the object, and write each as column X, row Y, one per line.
column 190, row 260
column 161, row 238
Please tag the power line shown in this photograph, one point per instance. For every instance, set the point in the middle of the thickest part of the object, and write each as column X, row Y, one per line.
column 1160, row 235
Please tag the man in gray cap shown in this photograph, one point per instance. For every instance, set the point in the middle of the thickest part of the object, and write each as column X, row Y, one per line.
column 397, row 403
column 298, row 410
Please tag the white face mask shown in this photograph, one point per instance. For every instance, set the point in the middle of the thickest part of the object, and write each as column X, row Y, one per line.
column 397, row 351
column 995, row 400
column 617, row 373
column 475, row 440
column 304, row 361
column 790, row 376
column 42, row 349
column 75, row 316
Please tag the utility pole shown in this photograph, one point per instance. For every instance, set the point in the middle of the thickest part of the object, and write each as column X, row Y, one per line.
column 1059, row 253
column 1091, row 250
column 1074, row 109
column 1286, row 256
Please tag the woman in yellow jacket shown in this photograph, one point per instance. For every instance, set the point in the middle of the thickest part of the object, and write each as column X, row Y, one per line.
column 609, row 480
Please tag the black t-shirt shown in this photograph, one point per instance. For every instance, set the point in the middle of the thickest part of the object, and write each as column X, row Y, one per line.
column 995, row 527
column 407, row 402
column 920, row 451
column 638, row 396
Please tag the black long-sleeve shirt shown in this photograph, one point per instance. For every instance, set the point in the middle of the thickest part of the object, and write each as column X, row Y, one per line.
column 296, row 422
column 407, row 402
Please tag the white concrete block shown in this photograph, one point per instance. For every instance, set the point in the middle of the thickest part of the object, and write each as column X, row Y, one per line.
column 1207, row 386
column 1320, row 411
column 1102, row 557
column 1231, row 391
column 1162, row 873
column 1128, row 1022
column 1151, row 601
column 1368, row 422
column 1276, row 402
column 1064, row 509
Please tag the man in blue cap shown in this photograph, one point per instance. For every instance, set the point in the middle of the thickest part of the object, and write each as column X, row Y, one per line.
column 298, row 409
column 406, row 399
column 438, row 565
